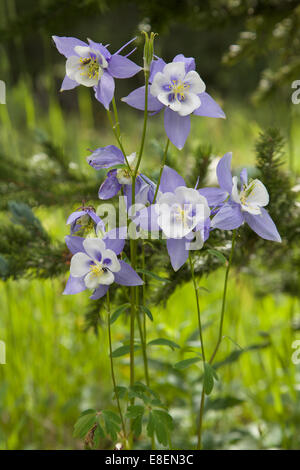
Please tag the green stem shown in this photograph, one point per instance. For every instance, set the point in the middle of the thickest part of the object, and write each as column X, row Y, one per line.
column 224, row 299
column 116, row 130
column 112, row 365
column 144, row 349
column 198, row 305
column 132, row 241
column 161, row 169
column 199, row 433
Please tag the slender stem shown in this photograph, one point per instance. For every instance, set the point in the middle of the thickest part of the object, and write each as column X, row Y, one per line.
column 161, row 169
column 132, row 241
column 116, row 117
column 198, row 306
column 112, row 365
column 224, row 299
column 144, row 349
column 201, row 413
column 116, row 130
column 144, row 126
column 199, row 433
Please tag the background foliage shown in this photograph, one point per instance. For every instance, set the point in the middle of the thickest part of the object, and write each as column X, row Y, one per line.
column 56, row 346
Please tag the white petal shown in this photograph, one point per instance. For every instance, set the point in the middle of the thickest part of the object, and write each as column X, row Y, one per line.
column 72, row 66
column 91, row 280
column 252, row 209
column 158, row 83
column 82, row 51
column 80, row 265
column 107, row 278
column 174, row 71
column 131, row 158
column 164, row 99
column 81, row 76
column 196, row 84
column 109, row 259
column 259, row 195
column 235, row 194
column 189, row 104
column 94, row 248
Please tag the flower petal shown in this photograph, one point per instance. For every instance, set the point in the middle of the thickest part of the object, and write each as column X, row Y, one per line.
column 147, row 219
column 75, row 215
column 74, row 285
column 263, row 225
column 99, row 292
column 209, row 107
column 189, row 62
column 66, row 45
column 259, row 195
column 174, row 71
column 105, row 89
column 75, row 244
column 136, row 99
column 110, row 187
column 105, row 157
column 214, row 196
column 229, row 217
column 224, row 172
column 196, row 84
column 115, row 239
column 92, row 280
column 156, row 66
column 80, row 264
column 170, row 180
column 121, row 67
column 177, row 127
column 94, row 247
column 110, row 260
column 177, row 252
column 127, row 276
column 244, row 176
column 68, row 84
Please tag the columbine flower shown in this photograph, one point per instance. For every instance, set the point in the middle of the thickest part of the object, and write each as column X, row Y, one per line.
column 92, row 65
column 234, row 206
column 84, row 218
column 180, row 90
column 117, row 178
column 181, row 213
column 95, row 265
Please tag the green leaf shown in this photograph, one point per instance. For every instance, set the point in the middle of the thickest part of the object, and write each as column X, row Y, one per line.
column 112, row 423
column 187, row 363
column 209, row 376
column 134, row 411
column 118, row 312
column 217, row 254
column 146, row 311
column 123, row 350
column 153, row 275
column 163, row 342
column 98, row 435
column 84, row 423
column 137, row 425
column 160, row 423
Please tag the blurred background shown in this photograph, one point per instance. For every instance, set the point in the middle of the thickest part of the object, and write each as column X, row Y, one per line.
column 248, row 54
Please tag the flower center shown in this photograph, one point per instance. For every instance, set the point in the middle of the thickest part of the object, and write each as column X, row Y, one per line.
column 97, row 269
column 91, row 67
column 179, row 88
column 182, row 216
